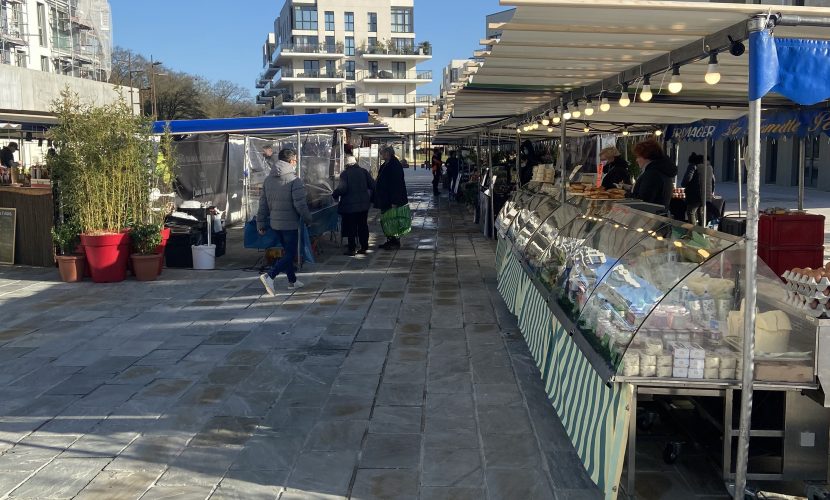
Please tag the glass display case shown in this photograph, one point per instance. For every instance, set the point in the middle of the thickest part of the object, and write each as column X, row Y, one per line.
column 654, row 298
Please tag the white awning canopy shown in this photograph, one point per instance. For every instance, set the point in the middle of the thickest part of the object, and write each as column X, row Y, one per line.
column 555, row 48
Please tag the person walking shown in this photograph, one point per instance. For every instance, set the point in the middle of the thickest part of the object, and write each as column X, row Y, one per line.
column 453, row 167
column 282, row 205
column 390, row 190
column 353, row 192
column 656, row 182
column 436, row 171
column 693, row 184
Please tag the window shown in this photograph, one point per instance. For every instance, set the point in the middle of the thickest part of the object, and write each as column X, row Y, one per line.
column 311, row 68
column 349, row 45
column 312, row 111
column 349, row 21
column 350, row 70
column 306, row 43
column 312, row 95
column 330, row 44
column 331, row 68
column 41, row 24
column 20, row 59
column 404, row 45
column 399, row 70
column 373, row 22
column 402, row 20
column 44, row 64
column 350, row 95
column 331, row 110
column 373, row 69
column 398, row 113
column 372, row 43
column 305, row 17
column 329, row 20
column 331, row 94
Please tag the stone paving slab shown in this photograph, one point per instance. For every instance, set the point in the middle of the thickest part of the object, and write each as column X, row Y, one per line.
column 394, row 375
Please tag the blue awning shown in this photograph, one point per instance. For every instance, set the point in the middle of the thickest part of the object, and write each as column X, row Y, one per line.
column 269, row 124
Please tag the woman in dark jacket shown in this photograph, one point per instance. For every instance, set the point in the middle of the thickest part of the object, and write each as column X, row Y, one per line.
column 693, row 183
column 353, row 191
column 616, row 169
column 390, row 189
column 656, row 183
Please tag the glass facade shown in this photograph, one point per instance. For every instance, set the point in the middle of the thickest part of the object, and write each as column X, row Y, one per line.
column 402, row 20
column 349, row 45
column 305, row 17
column 373, row 22
column 329, row 20
column 349, row 19
column 350, row 70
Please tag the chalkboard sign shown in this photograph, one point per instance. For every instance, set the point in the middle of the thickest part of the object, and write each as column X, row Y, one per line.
column 7, row 227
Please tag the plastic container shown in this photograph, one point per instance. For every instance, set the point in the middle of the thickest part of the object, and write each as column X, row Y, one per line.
column 788, row 230
column 204, row 257
column 783, row 258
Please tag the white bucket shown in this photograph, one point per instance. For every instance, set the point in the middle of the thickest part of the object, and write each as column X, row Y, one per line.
column 204, row 256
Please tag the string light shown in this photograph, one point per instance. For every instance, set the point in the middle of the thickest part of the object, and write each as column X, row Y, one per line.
column 550, row 129
column 604, row 105
column 587, row 128
column 566, row 114
column 675, row 85
column 576, row 113
column 658, row 132
column 545, row 122
column 645, row 94
column 625, row 132
column 712, row 72
column 589, row 108
column 624, row 99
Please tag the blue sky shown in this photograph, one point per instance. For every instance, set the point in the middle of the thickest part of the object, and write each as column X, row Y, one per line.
column 223, row 40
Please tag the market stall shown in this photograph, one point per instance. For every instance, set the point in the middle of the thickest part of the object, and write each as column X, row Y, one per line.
column 35, row 212
column 562, row 262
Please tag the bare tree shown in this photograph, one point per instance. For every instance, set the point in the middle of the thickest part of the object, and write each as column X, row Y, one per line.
column 225, row 99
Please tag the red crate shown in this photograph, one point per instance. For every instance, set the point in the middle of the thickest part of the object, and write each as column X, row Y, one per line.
column 781, row 259
column 798, row 230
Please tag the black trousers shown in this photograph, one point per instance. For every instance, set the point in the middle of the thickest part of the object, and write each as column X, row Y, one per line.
column 436, row 180
column 355, row 227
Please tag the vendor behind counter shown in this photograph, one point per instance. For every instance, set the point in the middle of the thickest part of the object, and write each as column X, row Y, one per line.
column 656, row 182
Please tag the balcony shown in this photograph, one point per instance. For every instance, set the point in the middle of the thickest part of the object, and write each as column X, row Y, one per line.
column 416, row 77
column 322, row 51
column 272, row 89
column 313, row 100
column 393, row 101
column 421, row 52
column 261, row 98
column 300, row 76
column 12, row 35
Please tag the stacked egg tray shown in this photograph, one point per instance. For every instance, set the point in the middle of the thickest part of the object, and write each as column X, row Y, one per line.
column 808, row 294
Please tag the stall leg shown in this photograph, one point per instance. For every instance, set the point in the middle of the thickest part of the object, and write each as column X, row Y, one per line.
column 802, row 152
column 729, row 395
column 632, row 447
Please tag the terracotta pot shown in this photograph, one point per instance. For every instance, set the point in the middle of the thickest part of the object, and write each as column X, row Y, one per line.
column 165, row 235
column 71, row 267
column 145, row 267
column 107, row 256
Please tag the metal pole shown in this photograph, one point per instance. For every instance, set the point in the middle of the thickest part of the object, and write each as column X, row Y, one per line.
column 300, row 176
column 246, row 180
column 563, row 134
column 753, row 192
column 705, row 183
column 740, row 176
column 802, row 162
column 153, row 84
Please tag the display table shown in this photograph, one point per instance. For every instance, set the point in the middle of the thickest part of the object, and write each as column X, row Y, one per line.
column 35, row 217
column 613, row 301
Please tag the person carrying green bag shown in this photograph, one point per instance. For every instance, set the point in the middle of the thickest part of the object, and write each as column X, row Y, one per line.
column 391, row 199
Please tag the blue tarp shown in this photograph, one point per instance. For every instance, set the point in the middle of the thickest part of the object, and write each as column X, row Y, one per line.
column 800, row 123
column 797, row 69
column 267, row 124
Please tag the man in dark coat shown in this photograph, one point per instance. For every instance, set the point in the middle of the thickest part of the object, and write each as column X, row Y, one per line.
column 353, row 193
column 453, row 168
column 693, row 183
column 656, row 183
column 616, row 168
column 436, row 171
column 390, row 189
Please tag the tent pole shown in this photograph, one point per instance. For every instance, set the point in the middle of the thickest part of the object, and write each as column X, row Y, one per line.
column 561, row 159
column 246, row 181
column 740, row 176
column 705, row 183
column 751, row 249
column 802, row 163
column 300, row 176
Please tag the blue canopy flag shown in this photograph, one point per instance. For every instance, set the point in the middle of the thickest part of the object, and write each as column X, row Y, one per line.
column 795, row 68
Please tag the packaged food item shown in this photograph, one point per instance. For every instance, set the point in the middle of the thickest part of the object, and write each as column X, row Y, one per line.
column 728, row 361
column 648, row 371
column 654, row 346
column 648, row 359
column 711, row 373
column 664, row 371
column 665, row 360
column 679, row 350
column 696, row 364
column 631, row 370
column 695, row 372
column 726, row 373
column 711, row 361
column 680, row 372
column 696, row 351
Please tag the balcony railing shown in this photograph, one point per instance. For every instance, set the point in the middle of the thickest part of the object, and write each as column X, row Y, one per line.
column 416, row 50
column 369, row 99
column 425, row 75
column 323, row 49
column 338, row 98
column 290, row 73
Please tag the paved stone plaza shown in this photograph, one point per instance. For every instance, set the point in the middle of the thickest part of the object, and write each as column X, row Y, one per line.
column 396, row 375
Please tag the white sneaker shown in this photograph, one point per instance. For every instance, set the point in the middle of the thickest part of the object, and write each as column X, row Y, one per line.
column 268, row 283
column 295, row 285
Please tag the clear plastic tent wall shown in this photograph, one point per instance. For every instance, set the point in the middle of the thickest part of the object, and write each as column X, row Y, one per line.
column 97, row 15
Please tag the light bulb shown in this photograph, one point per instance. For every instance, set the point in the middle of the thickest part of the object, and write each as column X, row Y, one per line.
column 545, row 122
column 589, row 108
column 576, row 113
column 624, row 99
column 518, row 130
column 675, row 85
column 658, row 132
column 556, row 119
column 550, row 129
column 645, row 94
column 566, row 114
column 586, row 129
column 625, row 132
column 604, row 105
column 712, row 72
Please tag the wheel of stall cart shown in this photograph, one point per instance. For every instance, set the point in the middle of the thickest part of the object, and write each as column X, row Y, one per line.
column 645, row 419
column 672, row 451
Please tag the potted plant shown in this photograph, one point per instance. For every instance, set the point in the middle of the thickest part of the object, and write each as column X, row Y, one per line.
column 103, row 167
column 425, row 48
column 162, row 181
column 67, row 237
column 145, row 239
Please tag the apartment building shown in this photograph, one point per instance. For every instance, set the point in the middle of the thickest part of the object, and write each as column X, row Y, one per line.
column 329, row 56
column 66, row 37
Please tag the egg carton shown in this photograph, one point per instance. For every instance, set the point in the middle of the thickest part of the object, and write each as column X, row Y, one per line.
column 807, row 285
column 820, row 311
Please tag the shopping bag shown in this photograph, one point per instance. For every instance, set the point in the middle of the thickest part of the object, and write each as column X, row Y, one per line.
column 396, row 221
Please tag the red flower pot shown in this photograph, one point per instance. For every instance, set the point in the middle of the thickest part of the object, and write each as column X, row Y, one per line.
column 165, row 235
column 107, row 256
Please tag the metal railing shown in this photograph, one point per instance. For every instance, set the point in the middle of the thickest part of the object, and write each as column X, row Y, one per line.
column 425, row 75
column 338, row 98
column 322, row 48
column 290, row 73
column 368, row 99
column 415, row 50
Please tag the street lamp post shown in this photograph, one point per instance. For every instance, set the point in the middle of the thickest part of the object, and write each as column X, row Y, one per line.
column 153, row 65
